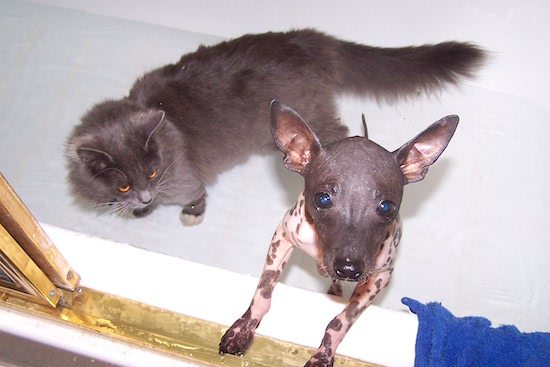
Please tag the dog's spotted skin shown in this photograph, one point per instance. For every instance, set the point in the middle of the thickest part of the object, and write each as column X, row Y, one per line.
column 347, row 218
column 295, row 230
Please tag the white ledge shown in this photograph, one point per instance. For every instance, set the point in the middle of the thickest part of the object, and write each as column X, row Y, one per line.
column 380, row 336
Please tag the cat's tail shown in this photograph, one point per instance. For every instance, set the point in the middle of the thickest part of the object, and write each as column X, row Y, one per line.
column 390, row 73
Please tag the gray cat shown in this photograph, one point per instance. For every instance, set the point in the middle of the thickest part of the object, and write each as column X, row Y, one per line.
column 184, row 123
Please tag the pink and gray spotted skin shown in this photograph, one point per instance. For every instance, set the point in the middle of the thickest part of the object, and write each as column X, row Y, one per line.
column 346, row 218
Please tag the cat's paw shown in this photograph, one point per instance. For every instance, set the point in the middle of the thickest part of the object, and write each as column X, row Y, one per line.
column 190, row 219
column 193, row 213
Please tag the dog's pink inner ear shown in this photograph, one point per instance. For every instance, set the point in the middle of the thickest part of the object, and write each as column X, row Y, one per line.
column 298, row 153
column 417, row 155
column 293, row 137
column 415, row 165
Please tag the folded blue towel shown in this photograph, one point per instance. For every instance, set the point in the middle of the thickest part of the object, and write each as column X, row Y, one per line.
column 445, row 340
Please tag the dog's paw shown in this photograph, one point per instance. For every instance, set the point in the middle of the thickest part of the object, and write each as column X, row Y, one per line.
column 236, row 342
column 190, row 219
column 239, row 336
column 322, row 358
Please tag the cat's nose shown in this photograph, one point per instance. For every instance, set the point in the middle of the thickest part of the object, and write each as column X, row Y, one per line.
column 146, row 197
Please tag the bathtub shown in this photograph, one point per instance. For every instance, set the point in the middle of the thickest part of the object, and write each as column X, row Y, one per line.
column 474, row 236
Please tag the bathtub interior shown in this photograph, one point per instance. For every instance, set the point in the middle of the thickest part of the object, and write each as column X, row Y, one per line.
column 474, row 235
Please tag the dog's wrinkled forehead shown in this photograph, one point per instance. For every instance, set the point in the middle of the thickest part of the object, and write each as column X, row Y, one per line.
column 358, row 165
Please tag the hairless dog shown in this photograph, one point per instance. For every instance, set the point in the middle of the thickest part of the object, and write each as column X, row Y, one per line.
column 346, row 218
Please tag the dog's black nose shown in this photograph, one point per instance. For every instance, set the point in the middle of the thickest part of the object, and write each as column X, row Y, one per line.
column 348, row 270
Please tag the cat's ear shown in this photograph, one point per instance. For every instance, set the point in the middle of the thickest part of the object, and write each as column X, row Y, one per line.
column 293, row 137
column 416, row 156
column 94, row 159
column 153, row 124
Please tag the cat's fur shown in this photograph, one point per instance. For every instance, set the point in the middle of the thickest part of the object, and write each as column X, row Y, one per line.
column 184, row 123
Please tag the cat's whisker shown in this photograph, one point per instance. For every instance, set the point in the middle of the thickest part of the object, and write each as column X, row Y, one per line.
column 166, row 187
column 166, row 192
column 113, row 210
column 179, row 156
column 163, row 186
column 125, row 210
column 104, row 207
column 105, row 170
column 117, row 208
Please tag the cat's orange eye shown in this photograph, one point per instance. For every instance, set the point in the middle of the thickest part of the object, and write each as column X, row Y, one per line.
column 123, row 188
column 152, row 175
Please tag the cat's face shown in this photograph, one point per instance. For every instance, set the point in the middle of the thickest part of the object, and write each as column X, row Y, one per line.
column 125, row 179
column 120, row 165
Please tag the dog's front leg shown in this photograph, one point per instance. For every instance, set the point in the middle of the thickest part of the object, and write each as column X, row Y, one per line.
column 238, row 337
column 361, row 298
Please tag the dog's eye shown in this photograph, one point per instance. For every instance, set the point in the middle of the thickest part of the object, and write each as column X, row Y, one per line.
column 386, row 209
column 321, row 200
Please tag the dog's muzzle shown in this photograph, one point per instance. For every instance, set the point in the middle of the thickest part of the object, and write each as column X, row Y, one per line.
column 348, row 270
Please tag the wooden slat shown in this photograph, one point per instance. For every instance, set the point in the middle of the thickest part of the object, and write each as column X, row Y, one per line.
column 26, row 230
column 31, row 282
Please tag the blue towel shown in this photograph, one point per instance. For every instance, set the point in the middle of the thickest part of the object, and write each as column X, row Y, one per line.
column 445, row 340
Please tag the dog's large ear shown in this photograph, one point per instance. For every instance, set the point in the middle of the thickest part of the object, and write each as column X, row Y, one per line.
column 418, row 154
column 293, row 137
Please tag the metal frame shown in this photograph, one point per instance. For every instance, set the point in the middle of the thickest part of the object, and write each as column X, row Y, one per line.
column 30, row 264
